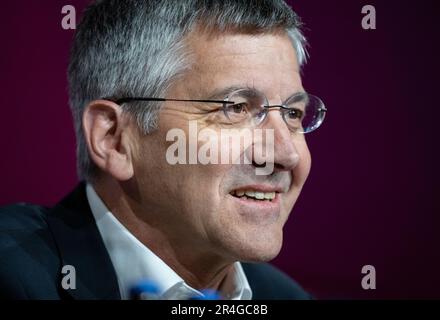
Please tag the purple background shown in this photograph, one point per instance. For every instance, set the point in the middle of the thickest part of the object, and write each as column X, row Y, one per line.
column 372, row 196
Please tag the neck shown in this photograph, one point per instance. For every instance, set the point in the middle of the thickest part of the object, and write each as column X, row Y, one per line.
column 193, row 262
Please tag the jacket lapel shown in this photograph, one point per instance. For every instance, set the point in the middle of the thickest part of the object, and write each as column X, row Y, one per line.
column 80, row 245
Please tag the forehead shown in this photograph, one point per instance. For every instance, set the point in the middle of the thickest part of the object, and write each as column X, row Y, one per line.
column 266, row 62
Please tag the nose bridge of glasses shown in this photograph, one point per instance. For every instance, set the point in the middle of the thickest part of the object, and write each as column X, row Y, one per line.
column 265, row 109
column 281, row 107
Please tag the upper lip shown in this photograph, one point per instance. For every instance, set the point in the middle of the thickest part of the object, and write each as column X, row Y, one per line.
column 259, row 187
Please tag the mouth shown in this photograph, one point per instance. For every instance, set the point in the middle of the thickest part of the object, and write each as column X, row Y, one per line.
column 258, row 204
column 254, row 195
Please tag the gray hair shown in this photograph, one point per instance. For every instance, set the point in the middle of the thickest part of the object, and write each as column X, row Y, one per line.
column 136, row 48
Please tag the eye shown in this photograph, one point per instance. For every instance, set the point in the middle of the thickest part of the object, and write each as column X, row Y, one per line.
column 238, row 108
column 237, row 112
column 294, row 114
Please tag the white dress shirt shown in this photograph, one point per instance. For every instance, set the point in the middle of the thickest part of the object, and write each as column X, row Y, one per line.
column 134, row 262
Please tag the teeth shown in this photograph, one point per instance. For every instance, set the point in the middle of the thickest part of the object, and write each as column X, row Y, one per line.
column 269, row 195
column 255, row 194
column 239, row 193
column 250, row 193
column 259, row 195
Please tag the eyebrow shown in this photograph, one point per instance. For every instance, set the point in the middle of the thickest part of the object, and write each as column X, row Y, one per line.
column 222, row 93
column 299, row 96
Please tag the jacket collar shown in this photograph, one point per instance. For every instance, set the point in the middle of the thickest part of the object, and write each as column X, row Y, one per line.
column 80, row 245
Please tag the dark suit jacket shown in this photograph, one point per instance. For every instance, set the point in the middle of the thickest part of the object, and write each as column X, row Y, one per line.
column 36, row 242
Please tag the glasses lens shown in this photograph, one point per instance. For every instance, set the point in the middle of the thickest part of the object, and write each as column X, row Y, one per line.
column 247, row 109
column 306, row 112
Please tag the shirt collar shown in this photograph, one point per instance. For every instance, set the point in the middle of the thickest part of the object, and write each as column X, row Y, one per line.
column 133, row 261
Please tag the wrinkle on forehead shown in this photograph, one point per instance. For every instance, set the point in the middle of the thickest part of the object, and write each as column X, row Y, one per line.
column 267, row 62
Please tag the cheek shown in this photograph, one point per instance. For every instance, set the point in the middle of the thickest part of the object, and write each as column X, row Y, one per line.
column 300, row 174
column 302, row 170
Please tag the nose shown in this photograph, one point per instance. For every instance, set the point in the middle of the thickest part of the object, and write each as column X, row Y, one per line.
column 285, row 153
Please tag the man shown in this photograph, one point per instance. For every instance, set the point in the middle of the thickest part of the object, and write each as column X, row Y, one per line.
column 139, row 71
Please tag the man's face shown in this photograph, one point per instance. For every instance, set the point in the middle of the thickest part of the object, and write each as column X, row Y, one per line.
column 196, row 206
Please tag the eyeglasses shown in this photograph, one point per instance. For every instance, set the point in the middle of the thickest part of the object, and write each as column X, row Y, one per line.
column 302, row 112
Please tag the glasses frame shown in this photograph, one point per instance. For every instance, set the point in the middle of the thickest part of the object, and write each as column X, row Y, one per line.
column 322, row 109
column 265, row 108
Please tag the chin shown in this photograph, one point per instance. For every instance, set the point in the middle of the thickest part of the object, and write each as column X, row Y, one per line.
column 261, row 249
column 262, row 255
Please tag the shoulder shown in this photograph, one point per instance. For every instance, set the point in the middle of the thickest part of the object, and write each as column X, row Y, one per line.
column 22, row 216
column 268, row 282
column 27, row 251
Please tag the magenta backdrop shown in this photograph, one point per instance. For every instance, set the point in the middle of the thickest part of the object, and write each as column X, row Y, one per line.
column 372, row 196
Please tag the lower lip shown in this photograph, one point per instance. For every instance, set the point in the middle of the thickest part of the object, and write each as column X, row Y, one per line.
column 258, row 208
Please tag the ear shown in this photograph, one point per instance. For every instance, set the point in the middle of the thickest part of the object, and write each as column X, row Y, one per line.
column 107, row 133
